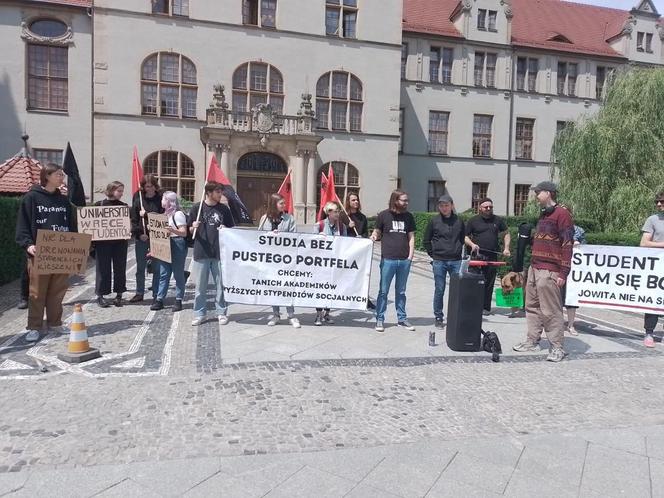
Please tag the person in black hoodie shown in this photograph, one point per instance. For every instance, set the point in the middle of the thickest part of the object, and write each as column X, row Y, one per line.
column 358, row 225
column 443, row 241
column 111, row 253
column 138, row 213
column 44, row 207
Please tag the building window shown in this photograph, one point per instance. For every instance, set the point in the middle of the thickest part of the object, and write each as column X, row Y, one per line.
column 521, row 194
column 341, row 18
column 257, row 83
column 434, row 64
column 524, row 138
column 404, row 60
column 174, row 170
column 649, row 43
column 567, row 73
column 485, row 69
column 480, row 191
column 482, row 125
column 168, row 86
column 346, row 180
column 481, row 19
column 438, row 126
column 46, row 156
column 261, row 13
column 48, row 77
column 171, row 7
column 339, row 102
column 526, row 74
column 435, row 189
column 440, row 65
column 600, row 79
column 402, row 118
column 639, row 41
column 493, row 16
column 448, row 60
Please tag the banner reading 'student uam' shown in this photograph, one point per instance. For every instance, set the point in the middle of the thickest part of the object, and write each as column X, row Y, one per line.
column 622, row 278
column 284, row 269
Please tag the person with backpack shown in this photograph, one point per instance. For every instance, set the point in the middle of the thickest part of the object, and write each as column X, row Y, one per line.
column 333, row 226
column 177, row 225
column 278, row 220
column 111, row 255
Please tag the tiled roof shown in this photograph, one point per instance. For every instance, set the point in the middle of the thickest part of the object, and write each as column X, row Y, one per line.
column 72, row 3
column 534, row 24
column 18, row 174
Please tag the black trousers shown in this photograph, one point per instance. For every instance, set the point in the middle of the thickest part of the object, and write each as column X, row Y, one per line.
column 650, row 322
column 111, row 259
column 489, row 280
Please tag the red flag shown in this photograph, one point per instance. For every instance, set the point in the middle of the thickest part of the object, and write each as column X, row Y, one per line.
column 215, row 174
column 323, row 195
column 286, row 191
column 136, row 172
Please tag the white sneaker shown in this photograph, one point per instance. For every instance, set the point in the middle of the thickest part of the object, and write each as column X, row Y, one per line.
column 32, row 336
column 274, row 319
column 223, row 319
column 295, row 323
column 197, row 321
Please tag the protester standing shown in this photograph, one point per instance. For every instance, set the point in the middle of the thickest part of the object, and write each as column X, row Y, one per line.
column 358, row 225
column 177, row 226
column 44, row 207
column 278, row 220
column 550, row 265
column 333, row 226
column 395, row 227
column 148, row 201
column 653, row 236
column 579, row 238
column 205, row 221
column 443, row 242
column 482, row 236
column 111, row 255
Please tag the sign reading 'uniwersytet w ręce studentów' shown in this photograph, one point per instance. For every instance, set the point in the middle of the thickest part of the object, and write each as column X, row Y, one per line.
column 105, row 222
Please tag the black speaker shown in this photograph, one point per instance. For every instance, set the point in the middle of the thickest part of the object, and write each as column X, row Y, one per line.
column 464, row 311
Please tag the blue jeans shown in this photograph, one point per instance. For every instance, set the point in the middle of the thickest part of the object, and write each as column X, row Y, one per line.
column 142, row 249
column 290, row 311
column 440, row 271
column 203, row 269
column 175, row 267
column 389, row 269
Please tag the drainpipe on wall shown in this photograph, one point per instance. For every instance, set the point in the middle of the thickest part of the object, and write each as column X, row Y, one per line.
column 91, row 14
column 511, row 131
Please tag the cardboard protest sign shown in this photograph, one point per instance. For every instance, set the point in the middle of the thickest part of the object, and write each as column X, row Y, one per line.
column 160, row 237
column 621, row 278
column 105, row 222
column 61, row 252
column 295, row 269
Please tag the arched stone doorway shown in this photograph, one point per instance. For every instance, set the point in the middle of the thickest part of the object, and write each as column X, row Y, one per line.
column 259, row 174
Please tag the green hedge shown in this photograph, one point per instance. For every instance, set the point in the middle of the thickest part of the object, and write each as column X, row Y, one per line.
column 11, row 256
column 613, row 239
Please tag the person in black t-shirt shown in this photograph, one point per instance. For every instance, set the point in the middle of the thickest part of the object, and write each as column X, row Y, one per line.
column 358, row 226
column 205, row 220
column 396, row 228
column 482, row 236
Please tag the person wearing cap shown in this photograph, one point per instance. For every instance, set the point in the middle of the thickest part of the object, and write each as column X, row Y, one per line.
column 653, row 236
column 482, row 236
column 443, row 240
column 550, row 265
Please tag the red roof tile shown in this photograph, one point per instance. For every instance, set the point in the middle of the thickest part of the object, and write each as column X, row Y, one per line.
column 18, row 174
column 72, row 3
column 430, row 16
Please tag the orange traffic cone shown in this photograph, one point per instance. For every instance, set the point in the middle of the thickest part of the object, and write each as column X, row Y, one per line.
column 79, row 349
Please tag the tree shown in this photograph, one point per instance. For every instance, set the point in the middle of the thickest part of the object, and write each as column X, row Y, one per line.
column 610, row 165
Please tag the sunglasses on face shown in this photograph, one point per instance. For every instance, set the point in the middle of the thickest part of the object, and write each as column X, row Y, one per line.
column 659, row 201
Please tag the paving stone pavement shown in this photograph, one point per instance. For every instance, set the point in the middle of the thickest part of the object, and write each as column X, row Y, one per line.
column 251, row 410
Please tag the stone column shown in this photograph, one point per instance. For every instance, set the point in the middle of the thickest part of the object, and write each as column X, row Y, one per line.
column 299, row 181
column 224, row 160
column 312, row 208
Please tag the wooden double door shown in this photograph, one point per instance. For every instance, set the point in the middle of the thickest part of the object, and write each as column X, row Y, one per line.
column 255, row 193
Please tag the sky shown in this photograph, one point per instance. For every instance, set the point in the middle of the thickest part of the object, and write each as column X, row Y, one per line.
column 623, row 4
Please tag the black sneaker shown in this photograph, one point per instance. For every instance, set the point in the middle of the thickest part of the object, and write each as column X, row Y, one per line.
column 118, row 300
column 177, row 306
column 371, row 305
column 157, row 305
column 22, row 304
column 439, row 323
column 103, row 303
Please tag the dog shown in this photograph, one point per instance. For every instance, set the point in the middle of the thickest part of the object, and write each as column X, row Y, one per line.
column 491, row 344
column 511, row 281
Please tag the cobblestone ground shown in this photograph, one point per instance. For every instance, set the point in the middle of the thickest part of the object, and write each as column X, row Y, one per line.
column 162, row 390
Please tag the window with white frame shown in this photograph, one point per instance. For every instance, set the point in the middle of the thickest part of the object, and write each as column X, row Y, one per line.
column 482, row 130
column 521, row 195
column 46, row 156
column 48, row 67
column 567, row 74
column 492, row 20
column 435, row 189
column 649, row 43
column 600, row 80
column 526, row 74
column 524, row 138
column 168, row 86
column 434, row 64
column 261, row 13
column 174, row 170
column 339, row 101
column 257, row 83
column 440, row 65
column 171, row 7
column 479, row 191
column 346, row 180
column 481, row 19
column 341, row 18
column 438, row 130
column 485, row 69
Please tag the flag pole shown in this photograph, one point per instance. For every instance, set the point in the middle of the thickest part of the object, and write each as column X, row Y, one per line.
column 200, row 206
column 346, row 213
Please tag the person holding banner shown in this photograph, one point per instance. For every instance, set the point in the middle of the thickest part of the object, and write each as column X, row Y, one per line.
column 204, row 222
column 396, row 228
column 278, row 220
column 550, row 265
column 330, row 225
column 44, row 207
column 111, row 254
column 359, row 223
column 177, row 225
column 653, row 236
column 146, row 200
column 579, row 238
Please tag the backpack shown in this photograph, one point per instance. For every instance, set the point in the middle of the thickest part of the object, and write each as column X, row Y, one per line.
column 188, row 238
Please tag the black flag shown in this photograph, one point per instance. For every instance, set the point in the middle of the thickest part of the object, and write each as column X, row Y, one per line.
column 237, row 207
column 75, row 191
